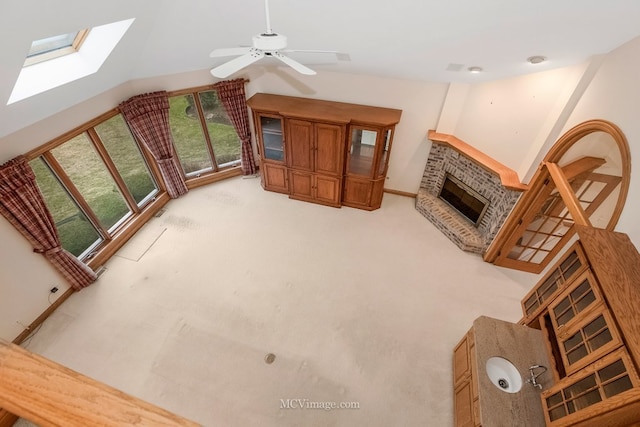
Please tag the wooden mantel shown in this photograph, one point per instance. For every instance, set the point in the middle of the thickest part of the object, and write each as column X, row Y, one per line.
column 508, row 176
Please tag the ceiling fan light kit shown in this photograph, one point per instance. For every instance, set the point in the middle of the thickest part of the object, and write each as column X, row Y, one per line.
column 266, row 44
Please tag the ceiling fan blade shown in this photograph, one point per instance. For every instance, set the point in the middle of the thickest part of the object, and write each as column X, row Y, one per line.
column 293, row 64
column 231, row 51
column 238, row 63
column 341, row 56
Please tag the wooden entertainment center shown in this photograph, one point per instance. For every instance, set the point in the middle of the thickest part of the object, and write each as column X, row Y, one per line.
column 325, row 152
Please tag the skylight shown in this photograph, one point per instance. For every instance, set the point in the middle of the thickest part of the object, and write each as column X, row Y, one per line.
column 53, row 47
column 86, row 60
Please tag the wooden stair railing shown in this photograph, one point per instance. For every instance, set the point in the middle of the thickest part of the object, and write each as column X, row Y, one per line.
column 49, row 394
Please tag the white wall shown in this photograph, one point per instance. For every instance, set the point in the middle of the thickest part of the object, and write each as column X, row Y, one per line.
column 511, row 119
column 25, row 280
column 614, row 95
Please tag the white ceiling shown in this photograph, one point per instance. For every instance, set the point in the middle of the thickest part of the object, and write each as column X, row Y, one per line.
column 406, row 39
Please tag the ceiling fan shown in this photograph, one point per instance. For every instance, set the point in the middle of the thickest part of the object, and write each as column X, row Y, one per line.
column 267, row 44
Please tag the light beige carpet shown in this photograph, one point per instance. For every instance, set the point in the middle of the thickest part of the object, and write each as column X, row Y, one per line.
column 357, row 306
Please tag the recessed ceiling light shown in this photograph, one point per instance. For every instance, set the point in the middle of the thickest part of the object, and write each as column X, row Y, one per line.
column 536, row 59
column 474, row 70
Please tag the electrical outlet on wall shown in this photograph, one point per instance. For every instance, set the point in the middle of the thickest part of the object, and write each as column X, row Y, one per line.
column 53, row 290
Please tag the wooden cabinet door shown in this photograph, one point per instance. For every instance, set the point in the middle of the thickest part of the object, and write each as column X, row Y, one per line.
column 357, row 192
column 463, row 405
column 605, row 390
column 590, row 338
column 270, row 137
column 301, row 185
column 274, row 177
column 580, row 296
column 560, row 275
column 461, row 365
column 327, row 189
column 316, row 188
column 329, row 148
column 300, row 144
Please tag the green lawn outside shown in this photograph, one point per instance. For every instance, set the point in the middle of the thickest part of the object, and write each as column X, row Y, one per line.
column 89, row 174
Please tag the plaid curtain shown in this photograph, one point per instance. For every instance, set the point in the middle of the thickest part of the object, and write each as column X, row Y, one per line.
column 148, row 118
column 22, row 204
column 231, row 93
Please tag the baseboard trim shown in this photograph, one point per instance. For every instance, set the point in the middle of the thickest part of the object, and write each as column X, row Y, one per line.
column 400, row 193
column 40, row 319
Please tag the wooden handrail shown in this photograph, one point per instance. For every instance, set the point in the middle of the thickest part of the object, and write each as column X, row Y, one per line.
column 49, row 394
column 508, row 176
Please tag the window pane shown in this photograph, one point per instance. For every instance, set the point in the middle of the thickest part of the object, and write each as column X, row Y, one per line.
column 89, row 174
column 223, row 136
column 611, row 371
column 49, row 44
column 187, row 134
column 125, row 154
column 76, row 233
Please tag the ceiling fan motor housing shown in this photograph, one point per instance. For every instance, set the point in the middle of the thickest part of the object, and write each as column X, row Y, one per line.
column 269, row 41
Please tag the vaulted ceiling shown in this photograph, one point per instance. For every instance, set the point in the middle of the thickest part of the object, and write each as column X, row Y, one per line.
column 405, row 39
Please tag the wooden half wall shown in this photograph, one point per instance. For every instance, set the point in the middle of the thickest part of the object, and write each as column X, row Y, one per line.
column 49, row 394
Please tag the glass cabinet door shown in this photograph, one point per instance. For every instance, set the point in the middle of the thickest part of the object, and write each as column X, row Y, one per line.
column 271, row 128
column 588, row 340
column 581, row 296
column 603, row 380
column 362, row 146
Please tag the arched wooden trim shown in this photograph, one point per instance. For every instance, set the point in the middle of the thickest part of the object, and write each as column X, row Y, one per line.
column 500, row 245
column 583, row 129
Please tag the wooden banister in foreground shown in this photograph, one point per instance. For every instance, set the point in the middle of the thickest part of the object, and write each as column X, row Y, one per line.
column 49, row 394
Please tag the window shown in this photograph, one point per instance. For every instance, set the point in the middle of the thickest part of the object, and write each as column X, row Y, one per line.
column 38, row 76
column 100, row 184
column 54, row 47
column 88, row 173
column 127, row 158
column 77, row 234
column 93, row 183
column 203, row 135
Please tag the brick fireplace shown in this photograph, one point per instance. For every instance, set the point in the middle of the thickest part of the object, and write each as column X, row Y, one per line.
column 478, row 175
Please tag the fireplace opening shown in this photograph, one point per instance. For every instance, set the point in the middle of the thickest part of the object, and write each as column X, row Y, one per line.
column 464, row 199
